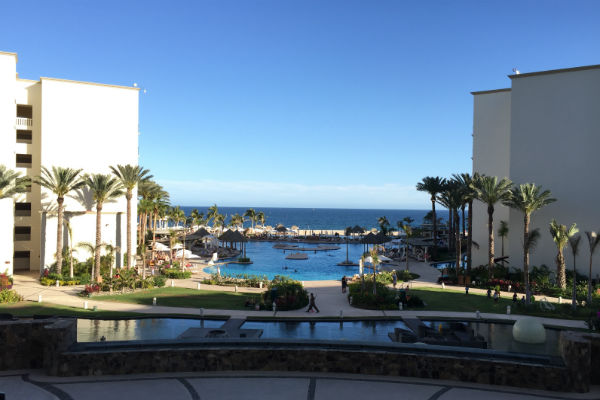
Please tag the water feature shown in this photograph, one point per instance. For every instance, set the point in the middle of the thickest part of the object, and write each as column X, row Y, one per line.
column 92, row 330
column 321, row 265
column 497, row 335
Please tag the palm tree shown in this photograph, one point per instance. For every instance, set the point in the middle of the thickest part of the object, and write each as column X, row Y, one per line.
column 12, row 182
column 593, row 241
column 130, row 176
column 375, row 262
column 91, row 248
column 251, row 214
column 466, row 181
column 433, row 186
column 104, row 188
column 60, row 181
column 211, row 213
column 260, row 217
column 196, row 216
column 561, row 234
column 490, row 191
column 408, row 231
column 384, row 224
column 452, row 198
column 113, row 250
column 528, row 198
column 503, row 233
column 574, row 244
column 70, row 233
column 219, row 221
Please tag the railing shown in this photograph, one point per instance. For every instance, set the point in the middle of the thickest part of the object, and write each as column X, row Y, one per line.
column 24, row 122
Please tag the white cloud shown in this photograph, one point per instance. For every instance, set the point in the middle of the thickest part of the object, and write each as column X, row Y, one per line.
column 277, row 194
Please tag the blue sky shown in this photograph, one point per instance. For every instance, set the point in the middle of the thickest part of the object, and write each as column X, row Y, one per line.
column 301, row 103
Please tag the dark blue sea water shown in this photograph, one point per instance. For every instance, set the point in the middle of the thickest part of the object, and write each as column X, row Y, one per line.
column 325, row 218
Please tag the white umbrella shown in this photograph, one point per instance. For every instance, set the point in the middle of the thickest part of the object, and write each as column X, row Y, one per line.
column 178, row 246
column 160, row 247
column 384, row 259
column 360, row 266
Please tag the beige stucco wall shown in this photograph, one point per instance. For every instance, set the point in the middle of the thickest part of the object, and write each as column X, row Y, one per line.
column 555, row 138
column 546, row 131
column 491, row 152
column 7, row 155
column 90, row 127
column 75, row 124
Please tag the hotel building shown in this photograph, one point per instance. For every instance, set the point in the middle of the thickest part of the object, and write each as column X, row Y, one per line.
column 544, row 129
column 57, row 122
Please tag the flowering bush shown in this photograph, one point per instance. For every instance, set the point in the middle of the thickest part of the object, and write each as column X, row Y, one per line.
column 9, row 296
column 90, row 289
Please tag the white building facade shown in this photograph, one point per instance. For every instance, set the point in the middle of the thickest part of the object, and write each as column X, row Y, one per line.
column 544, row 129
column 56, row 122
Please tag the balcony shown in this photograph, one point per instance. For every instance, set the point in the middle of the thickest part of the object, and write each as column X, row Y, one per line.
column 24, row 160
column 22, row 233
column 24, row 123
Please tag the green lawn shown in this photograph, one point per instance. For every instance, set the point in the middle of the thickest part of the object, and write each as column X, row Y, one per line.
column 28, row 309
column 181, row 297
column 450, row 300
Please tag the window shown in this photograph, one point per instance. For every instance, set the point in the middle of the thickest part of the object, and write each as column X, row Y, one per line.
column 22, row 209
column 24, row 137
column 24, row 111
column 22, row 233
column 24, row 160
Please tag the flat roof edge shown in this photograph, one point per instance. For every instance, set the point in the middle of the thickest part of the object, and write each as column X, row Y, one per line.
column 8, row 53
column 90, row 83
column 555, row 71
column 491, row 91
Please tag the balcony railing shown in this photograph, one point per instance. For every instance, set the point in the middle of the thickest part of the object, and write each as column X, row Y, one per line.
column 24, row 123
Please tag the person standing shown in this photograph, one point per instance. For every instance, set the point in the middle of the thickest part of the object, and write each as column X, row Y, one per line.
column 344, row 284
column 394, row 278
column 312, row 304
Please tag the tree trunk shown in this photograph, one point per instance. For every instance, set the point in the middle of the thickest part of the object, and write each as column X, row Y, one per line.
column 457, row 245
column 98, row 241
column 406, row 251
column 450, row 229
column 560, row 269
column 154, row 235
column 526, row 220
column 435, row 253
column 490, row 240
column 463, row 219
column 128, row 196
column 470, row 238
column 59, row 235
column 589, row 293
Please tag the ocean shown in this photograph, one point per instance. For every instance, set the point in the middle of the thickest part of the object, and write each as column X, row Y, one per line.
column 325, row 218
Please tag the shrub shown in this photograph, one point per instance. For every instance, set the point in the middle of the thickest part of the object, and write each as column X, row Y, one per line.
column 89, row 290
column 174, row 273
column 287, row 294
column 159, row 281
column 386, row 298
column 243, row 280
column 9, row 296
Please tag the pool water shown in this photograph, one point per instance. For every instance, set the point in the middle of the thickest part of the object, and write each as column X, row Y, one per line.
column 368, row 331
column 91, row 330
column 321, row 265
column 499, row 337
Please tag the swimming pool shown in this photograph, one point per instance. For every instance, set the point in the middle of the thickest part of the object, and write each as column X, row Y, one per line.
column 91, row 330
column 321, row 265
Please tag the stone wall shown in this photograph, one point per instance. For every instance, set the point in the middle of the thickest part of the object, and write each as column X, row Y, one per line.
column 23, row 342
column 310, row 358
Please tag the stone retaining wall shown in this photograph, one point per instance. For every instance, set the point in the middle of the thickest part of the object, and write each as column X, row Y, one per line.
column 51, row 344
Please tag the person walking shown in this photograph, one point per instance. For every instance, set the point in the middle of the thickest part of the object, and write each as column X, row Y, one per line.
column 344, row 284
column 312, row 304
column 394, row 278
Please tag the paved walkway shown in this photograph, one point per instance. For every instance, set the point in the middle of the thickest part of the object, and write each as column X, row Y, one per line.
column 33, row 385
column 329, row 297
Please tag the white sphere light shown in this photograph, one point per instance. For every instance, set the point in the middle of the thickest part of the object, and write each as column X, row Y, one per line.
column 529, row 330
